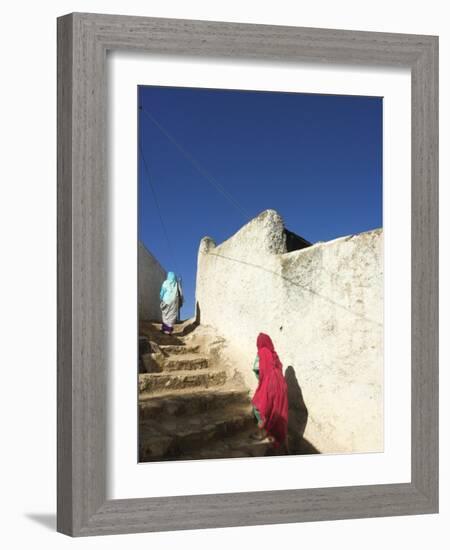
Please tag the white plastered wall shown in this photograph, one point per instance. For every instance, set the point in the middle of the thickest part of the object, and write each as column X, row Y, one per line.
column 323, row 308
column 150, row 278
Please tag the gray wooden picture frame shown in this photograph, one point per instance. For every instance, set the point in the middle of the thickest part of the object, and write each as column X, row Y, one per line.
column 83, row 41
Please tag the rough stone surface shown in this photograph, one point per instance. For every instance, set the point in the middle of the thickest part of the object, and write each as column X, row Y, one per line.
column 188, row 361
column 194, row 407
column 323, row 308
column 150, row 278
column 155, row 382
column 149, row 363
column 202, row 401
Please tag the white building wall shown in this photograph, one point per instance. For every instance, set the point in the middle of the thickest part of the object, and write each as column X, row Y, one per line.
column 150, row 278
column 323, row 308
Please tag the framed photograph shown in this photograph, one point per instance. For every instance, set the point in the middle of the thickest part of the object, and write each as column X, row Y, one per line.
column 247, row 274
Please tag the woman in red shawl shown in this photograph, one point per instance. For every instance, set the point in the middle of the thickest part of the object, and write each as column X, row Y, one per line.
column 270, row 400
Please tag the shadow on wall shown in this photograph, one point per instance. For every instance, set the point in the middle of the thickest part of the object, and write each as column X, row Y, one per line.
column 298, row 417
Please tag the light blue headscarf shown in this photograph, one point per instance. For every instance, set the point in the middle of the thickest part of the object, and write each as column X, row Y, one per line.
column 169, row 288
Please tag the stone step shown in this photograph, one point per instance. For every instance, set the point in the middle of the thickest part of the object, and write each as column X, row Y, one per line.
column 178, row 349
column 183, row 328
column 191, row 402
column 241, row 445
column 154, row 363
column 169, row 381
column 183, row 362
column 174, row 437
column 180, row 329
column 159, row 338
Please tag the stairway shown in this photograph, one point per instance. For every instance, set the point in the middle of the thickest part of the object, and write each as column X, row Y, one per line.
column 190, row 408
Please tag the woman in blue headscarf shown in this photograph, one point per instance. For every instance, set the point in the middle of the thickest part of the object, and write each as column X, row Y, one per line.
column 171, row 299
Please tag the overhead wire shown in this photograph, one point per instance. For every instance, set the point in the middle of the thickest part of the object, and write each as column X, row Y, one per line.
column 222, row 191
column 158, row 207
column 197, row 165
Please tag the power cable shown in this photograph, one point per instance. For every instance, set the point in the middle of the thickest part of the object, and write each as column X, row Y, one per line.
column 197, row 165
column 149, row 180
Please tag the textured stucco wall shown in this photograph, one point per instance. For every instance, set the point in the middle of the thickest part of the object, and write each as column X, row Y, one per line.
column 323, row 308
column 150, row 278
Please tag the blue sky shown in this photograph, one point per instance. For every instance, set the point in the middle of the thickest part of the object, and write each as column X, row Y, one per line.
column 316, row 159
